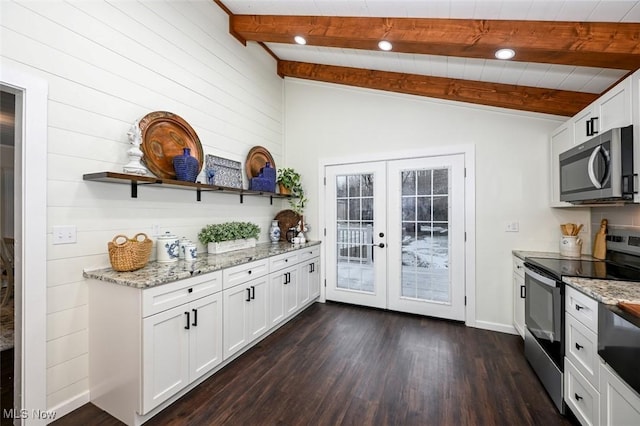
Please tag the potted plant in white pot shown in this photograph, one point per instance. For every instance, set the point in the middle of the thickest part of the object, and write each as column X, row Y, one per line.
column 229, row 236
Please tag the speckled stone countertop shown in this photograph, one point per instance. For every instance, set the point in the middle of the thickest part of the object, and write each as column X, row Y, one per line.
column 609, row 292
column 155, row 273
column 546, row 254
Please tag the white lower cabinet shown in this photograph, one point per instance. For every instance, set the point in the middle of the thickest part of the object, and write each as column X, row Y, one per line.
column 148, row 346
column 619, row 404
column 518, row 295
column 580, row 396
column 179, row 345
column 283, row 294
column 246, row 314
column 593, row 392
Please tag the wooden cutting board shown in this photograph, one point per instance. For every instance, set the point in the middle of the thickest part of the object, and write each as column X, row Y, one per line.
column 632, row 308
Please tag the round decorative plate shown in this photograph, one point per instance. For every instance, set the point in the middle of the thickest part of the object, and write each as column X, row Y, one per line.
column 256, row 159
column 165, row 135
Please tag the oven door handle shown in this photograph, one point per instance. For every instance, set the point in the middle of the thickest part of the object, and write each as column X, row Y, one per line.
column 540, row 278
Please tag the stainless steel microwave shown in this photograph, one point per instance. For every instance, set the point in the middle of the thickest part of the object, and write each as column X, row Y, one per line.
column 600, row 169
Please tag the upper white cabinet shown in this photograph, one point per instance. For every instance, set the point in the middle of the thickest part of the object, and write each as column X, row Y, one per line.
column 613, row 109
column 618, row 107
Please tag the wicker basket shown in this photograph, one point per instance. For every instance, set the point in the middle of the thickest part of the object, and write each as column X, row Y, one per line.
column 130, row 254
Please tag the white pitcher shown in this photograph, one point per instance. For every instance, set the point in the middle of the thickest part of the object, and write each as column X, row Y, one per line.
column 570, row 246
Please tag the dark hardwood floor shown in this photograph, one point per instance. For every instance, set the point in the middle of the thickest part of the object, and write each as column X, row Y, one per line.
column 340, row 364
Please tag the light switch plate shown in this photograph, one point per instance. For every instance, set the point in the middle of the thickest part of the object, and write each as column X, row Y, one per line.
column 64, row 234
column 513, row 226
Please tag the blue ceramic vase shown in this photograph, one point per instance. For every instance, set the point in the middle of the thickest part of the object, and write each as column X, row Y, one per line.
column 186, row 166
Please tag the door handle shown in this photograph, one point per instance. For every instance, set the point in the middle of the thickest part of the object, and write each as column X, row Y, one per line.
column 186, row 327
column 578, row 346
column 195, row 317
column 381, row 245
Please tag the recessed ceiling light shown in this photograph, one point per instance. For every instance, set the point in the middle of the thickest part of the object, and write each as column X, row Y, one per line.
column 385, row 45
column 300, row 40
column 505, row 53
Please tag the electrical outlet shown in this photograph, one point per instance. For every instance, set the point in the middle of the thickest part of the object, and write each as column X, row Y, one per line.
column 65, row 234
column 155, row 230
column 513, row 226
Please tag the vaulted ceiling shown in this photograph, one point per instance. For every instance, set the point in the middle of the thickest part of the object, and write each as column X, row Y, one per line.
column 567, row 53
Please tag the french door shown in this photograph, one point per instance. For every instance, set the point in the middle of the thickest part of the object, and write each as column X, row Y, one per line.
column 395, row 235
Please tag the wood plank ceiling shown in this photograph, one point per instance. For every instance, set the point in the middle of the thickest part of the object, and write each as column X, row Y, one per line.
column 567, row 53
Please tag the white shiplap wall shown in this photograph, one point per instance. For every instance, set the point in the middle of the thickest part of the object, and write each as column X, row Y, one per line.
column 107, row 64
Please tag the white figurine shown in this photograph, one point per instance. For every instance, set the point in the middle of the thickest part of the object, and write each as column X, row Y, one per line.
column 135, row 154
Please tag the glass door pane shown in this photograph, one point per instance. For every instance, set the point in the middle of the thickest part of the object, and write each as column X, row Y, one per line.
column 355, row 220
column 425, row 236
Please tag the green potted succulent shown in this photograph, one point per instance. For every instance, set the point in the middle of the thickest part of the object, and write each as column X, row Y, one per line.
column 228, row 236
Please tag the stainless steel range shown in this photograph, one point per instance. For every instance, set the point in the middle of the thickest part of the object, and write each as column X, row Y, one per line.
column 544, row 302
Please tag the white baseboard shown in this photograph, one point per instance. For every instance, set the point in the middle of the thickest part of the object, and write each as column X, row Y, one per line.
column 494, row 326
column 70, row 404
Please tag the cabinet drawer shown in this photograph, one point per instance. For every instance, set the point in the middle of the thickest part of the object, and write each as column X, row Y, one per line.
column 580, row 396
column 282, row 261
column 309, row 252
column 163, row 297
column 231, row 277
column 582, row 349
column 518, row 266
column 582, row 307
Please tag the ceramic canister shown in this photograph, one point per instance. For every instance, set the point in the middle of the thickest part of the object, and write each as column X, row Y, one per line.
column 570, row 246
column 167, row 248
column 190, row 252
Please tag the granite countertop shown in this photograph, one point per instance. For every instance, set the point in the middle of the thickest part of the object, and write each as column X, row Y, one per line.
column 156, row 273
column 609, row 292
column 546, row 254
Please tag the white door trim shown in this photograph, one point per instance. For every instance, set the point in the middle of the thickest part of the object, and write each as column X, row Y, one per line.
column 470, row 208
column 31, row 220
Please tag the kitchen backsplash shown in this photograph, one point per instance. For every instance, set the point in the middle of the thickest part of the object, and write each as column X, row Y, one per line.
column 626, row 216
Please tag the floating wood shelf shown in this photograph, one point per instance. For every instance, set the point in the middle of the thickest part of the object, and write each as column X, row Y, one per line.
column 136, row 180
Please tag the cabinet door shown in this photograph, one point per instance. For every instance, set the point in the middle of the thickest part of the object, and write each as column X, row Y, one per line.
column 304, row 291
column 277, row 288
column 258, row 320
column 518, row 303
column 560, row 141
column 580, row 124
column 291, row 292
column 165, row 356
column 236, row 306
column 614, row 107
column 205, row 335
column 314, row 279
column 619, row 404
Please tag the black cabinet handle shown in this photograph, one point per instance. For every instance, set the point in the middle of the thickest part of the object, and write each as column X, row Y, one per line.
column 578, row 397
column 593, row 127
column 253, row 292
column 311, row 268
column 523, row 292
column 578, row 346
column 589, row 124
column 286, row 278
column 286, row 260
column 186, row 327
column 248, row 295
column 249, row 272
column 195, row 317
column 578, row 307
column 190, row 290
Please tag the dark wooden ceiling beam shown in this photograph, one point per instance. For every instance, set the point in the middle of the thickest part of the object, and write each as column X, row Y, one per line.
column 523, row 98
column 594, row 44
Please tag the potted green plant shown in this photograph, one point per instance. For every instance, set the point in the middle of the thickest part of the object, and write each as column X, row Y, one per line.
column 229, row 236
column 288, row 180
